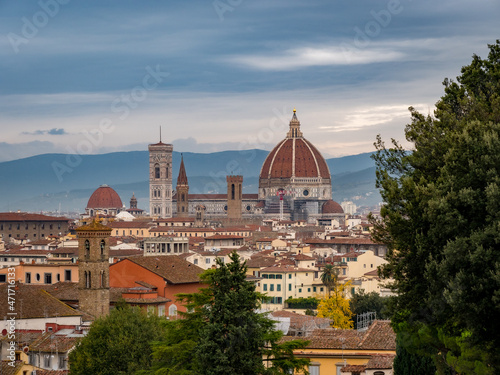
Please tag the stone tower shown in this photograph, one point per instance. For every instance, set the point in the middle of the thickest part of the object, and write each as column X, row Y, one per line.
column 182, row 189
column 234, row 196
column 133, row 201
column 93, row 268
column 199, row 220
column 160, row 180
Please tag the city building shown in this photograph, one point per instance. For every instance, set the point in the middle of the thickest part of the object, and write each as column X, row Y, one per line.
column 104, row 201
column 24, row 226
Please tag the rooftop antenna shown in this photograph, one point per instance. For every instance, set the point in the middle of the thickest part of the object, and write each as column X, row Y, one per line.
column 160, row 133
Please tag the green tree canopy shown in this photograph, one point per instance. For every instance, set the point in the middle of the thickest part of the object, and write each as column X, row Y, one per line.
column 224, row 333
column 117, row 344
column 441, row 222
column 362, row 302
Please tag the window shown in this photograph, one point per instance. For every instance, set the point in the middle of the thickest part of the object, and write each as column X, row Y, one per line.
column 161, row 310
column 314, row 368
column 87, row 248
column 196, row 261
column 47, row 278
column 27, row 278
column 289, row 287
column 157, row 170
column 265, row 288
column 46, row 361
column 271, row 287
column 61, row 363
column 300, row 290
column 172, row 310
column 289, row 275
column 207, row 260
column 37, row 277
column 279, row 276
column 344, row 270
column 3, row 278
column 278, row 287
column 314, row 289
column 308, row 290
column 67, row 275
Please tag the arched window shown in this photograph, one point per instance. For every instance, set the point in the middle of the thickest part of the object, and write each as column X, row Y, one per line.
column 166, row 170
column 183, row 198
column 157, row 170
column 103, row 284
column 87, row 249
column 103, row 245
column 172, row 310
column 232, row 191
column 89, row 280
column 182, row 208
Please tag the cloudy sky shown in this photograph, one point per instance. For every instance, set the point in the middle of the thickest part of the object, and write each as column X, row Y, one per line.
column 101, row 76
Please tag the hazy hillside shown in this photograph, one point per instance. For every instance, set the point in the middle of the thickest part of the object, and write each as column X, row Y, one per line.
column 56, row 181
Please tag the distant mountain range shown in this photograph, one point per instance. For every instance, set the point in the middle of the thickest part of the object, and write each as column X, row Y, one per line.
column 60, row 182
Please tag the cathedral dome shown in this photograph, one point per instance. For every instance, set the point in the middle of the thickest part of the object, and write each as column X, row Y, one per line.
column 104, row 197
column 332, row 207
column 294, row 157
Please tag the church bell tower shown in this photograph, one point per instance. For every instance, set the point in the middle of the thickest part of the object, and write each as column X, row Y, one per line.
column 160, row 179
column 93, row 268
column 182, row 189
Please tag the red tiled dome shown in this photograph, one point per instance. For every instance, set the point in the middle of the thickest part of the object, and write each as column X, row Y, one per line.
column 332, row 207
column 104, row 197
column 294, row 157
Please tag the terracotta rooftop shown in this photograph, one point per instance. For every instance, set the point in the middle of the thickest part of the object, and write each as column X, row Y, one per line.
column 52, row 343
column 372, row 273
column 300, row 321
column 125, row 252
column 24, row 216
column 104, row 197
column 172, row 268
column 332, row 207
column 283, row 267
column 52, row 372
column 7, row 369
column 294, row 157
column 380, row 361
column 340, row 240
column 35, row 302
column 379, row 336
column 259, row 262
column 353, row 368
column 301, row 257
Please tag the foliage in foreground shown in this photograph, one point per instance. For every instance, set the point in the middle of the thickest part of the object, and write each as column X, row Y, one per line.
column 224, row 333
column 441, row 222
column 119, row 343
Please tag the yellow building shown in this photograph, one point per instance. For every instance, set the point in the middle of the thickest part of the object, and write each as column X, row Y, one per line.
column 282, row 281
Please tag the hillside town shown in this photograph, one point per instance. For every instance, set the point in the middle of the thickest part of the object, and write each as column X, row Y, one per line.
column 66, row 273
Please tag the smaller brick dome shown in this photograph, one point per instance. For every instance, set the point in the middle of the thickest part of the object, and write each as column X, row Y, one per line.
column 104, row 197
column 332, row 207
